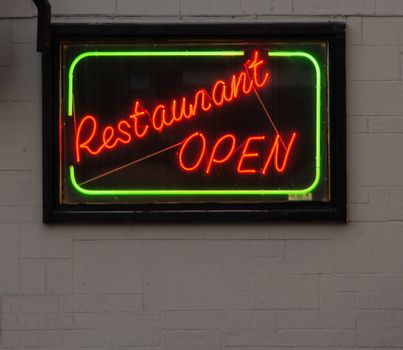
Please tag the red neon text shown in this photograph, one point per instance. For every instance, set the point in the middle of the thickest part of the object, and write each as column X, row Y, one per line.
column 196, row 163
column 217, row 147
column 246, row 154
column 93, row 141
column 194, row 151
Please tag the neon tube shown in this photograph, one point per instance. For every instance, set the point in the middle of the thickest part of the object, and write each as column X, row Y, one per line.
column 318, row 113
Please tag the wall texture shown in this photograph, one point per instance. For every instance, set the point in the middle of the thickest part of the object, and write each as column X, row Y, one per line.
column 208, row 287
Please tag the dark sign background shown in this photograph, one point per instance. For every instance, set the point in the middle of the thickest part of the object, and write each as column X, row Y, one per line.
column 106, row 88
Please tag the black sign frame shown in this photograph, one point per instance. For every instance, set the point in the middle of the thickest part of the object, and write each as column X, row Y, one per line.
column 334, row 210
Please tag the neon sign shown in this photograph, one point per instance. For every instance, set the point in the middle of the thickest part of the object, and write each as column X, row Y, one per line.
column 198, row 125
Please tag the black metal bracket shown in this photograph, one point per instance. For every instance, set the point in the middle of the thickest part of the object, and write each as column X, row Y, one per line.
column 43, row 32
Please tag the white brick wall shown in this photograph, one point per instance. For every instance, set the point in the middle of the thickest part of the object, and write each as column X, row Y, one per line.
column 208, row 287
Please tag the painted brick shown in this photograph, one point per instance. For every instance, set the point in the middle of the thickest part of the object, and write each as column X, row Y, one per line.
column 267, row 248
column 357, row 125
column 142, row 334
column 379, row 195
column 373, row 63
column 386, row 125
column 294, row 348
column 266, row 7
column 354, row 31
column 76, row 338
column 309, row 256
column 88, row 7
column 389, row 7
column 195, row 340
column 24, row 54
column 366, row 300
column 98, row 303
column 59, row 277
column 211, row 7
column 20, row 213
column 140, row 232
column 29, row 303
column 96, row 269
column 331, row 7
column 19, row 188
column 380, row 328
column 24, row 30
column 396, row 204
column 10, row 338
column 208, row 275
column 298, row 319
column 368, row 165
column 9, row 264
column 41, row 339
column 326, row 283
column 5, row 43
column 39, row 241
column 358, row 194
column 348, row 253
column 114, row 348
column 401, row 63
column 382, row 31
column 148, row 8
column 19, row 143
column 374, row 248
column 368, row 212
column 23, row 321
column 249, row 328
column 290, row 291
column 299, row 231
column 23, row 83
column 215, row 232
column 194, row 277
column 261, row 265
column 354, row 283
column 21, row 110
column 375, row 98
column 134, row 321
column 16, row 8
column 32, row 276
column 389, row 292
column 316, row 337
column 192, row 320
column 75, row 321
column 338, row 310
column 124, row 348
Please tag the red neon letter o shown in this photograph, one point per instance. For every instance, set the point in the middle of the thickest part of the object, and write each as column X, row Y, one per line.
column 184, row 145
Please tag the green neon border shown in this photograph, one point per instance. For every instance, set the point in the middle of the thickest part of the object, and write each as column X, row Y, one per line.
column 219, row 192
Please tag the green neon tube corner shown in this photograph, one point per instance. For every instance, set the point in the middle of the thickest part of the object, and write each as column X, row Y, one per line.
column 83, row 55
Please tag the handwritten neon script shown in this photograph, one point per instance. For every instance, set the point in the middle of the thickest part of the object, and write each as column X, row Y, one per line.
column 138, row 124
column 224, row 149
